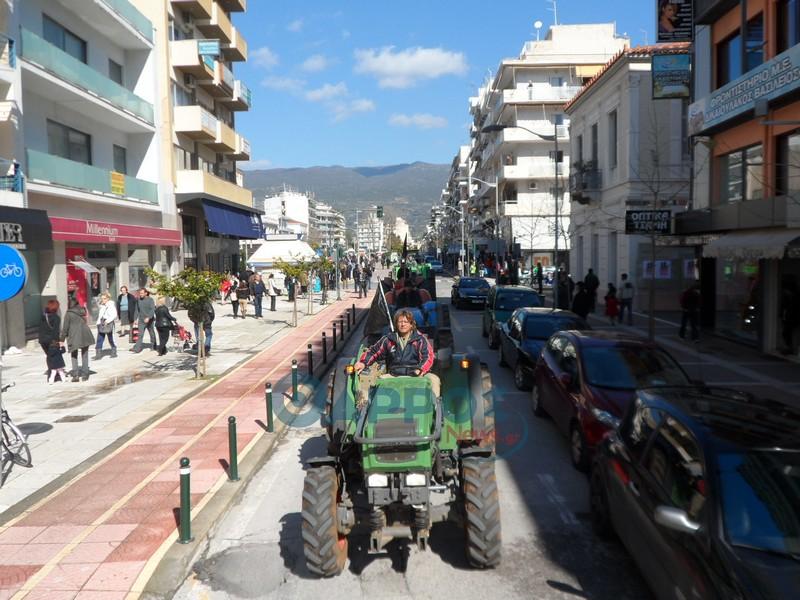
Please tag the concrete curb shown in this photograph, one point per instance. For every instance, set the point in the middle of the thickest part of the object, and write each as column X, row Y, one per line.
column 176, row 564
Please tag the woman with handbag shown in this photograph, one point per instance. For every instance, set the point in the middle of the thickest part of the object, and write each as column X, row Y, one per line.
column 106, row 317
column 49, row 330
column 164, row 324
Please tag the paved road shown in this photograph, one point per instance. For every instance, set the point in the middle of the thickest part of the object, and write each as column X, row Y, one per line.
column 549, row 550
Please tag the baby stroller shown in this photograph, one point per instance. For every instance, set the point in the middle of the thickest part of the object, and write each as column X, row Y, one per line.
column 181, row 338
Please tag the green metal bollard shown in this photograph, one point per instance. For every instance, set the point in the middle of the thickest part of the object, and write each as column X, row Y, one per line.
column 268, row 394
column 185, row 521
column 294, row 381
column 233, row 464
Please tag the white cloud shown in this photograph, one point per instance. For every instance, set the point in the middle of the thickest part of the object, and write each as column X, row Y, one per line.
column 295, row 26
column 252, row 165
column 316, row 63
column 264, row 57
column 410, row 66
column 345, row 110
column 327, row 92
column 284, row 84
column 419, row 120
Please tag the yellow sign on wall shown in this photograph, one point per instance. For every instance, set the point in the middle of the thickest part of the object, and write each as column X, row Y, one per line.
column 117, row 183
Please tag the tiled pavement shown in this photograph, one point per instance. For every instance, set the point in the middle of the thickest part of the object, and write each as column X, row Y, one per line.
column 101, row 535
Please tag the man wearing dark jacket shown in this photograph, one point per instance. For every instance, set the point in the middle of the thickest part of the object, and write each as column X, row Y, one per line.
column 146, row 312
column 78, row 336
column 582, row 302
column 204, row 316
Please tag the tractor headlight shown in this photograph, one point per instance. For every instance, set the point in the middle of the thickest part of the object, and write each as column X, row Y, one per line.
column 416, row 479
column 378, row 480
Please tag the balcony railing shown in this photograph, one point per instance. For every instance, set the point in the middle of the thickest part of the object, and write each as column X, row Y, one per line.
column 227, row 76
column 68, row 68
column 76, row 175
column 132, row 15
column 8, row 52
column 11, row 179
column 584, row 179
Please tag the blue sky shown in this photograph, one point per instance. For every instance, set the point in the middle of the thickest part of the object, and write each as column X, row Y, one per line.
column 360, row 83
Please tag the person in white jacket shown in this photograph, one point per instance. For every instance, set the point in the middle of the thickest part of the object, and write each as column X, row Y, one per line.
column 106, row 317
column 272, row 291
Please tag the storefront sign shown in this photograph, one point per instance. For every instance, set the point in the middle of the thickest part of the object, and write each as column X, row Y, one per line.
column 639, row 222
column 25, row 229
column 674, row 21
column 773, row 79
column 672, row 76
column 78, row 230
column 13, row 272
column 117, row 183
column 208, row 47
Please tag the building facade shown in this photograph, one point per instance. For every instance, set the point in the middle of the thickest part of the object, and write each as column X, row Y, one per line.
column 745, row 213
column 292, row 210
column 629, row 152
column 370, row 230
column 327, row 226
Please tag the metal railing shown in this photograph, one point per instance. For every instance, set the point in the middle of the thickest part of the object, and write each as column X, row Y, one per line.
column 131, row 14
column 8, row 52
column 12, row 179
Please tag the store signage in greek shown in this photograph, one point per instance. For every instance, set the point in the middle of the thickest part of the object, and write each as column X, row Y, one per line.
column 773, row 79
column 639, row 222
column 208, row 47
column 672, row 76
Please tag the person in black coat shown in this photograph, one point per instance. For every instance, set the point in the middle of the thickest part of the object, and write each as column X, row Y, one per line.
column 50, row 328
column 164, row 324
column 582, row 302
column 126, row 308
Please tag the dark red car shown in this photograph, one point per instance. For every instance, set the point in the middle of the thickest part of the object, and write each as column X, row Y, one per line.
column 585, row 381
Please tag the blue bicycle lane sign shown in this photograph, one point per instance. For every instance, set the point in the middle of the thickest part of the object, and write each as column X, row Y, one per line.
column 13, row 272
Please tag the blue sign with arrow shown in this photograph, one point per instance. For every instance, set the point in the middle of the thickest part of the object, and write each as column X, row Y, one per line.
column 13, row 272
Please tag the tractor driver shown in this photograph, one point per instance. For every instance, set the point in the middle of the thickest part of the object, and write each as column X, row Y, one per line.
column 405, row 350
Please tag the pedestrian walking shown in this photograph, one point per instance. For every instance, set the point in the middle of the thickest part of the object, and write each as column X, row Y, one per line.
column 272, row 291
column 145, row 313
column 55, row 362
column 257, row 290
column 582, row 302
column 165, row 323
column 540, row 277
column 203, row 317
column 106, row 319
column 368, row 276
column 612, row 304
column 626, row 294
column 591, row 282
column 78, row 337
column 126, row 309
column 363, row 284
column 690, row 311
column 243, row 294
column 50, row 330
column 233, row 296
column 563, row 291
column 357, row 280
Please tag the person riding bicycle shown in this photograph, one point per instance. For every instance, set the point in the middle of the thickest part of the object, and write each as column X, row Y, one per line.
column 405, row 351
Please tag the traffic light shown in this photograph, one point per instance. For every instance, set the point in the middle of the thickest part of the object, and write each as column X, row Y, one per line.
column 379, row 212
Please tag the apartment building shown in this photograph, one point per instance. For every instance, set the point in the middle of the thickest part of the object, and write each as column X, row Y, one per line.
column 514, row 165
column 291, row 210
column 370, row 230
column 629, row 152
column 745, row 217
column 327, row 225
column 454, row 192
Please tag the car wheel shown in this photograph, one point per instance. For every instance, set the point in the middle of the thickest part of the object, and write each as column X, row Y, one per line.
column 520, row 378
column 598, row 499
column 501, row 360
column 494, row 343
column 536, row 401
column 577, row 448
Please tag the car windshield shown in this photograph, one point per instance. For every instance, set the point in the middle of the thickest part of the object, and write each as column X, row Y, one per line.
column 541, row 328
column 473, row 283
column 761, row 499
column 631, row 367
column 511, row 300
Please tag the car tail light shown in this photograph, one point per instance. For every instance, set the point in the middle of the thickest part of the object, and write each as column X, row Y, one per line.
column 620, row 471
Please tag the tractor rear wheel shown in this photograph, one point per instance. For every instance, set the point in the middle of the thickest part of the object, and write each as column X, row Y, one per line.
column 325, row 549
column 482, row 511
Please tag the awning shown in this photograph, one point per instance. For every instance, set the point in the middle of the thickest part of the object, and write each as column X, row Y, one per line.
column 587, row 70
column 751, row 244
column 280, row 250
column 84, row 266
column 25, row 228
column 232, row 221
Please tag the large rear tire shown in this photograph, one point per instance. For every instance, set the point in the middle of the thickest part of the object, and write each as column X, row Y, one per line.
column 324, row 548
column 482, row 512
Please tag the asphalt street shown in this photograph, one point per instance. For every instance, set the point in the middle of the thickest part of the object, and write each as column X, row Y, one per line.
column 549, row 550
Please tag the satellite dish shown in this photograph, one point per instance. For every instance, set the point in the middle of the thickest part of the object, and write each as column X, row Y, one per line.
column 538, row 24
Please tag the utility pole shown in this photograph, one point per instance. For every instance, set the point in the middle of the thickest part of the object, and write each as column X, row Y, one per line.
column 557, row 278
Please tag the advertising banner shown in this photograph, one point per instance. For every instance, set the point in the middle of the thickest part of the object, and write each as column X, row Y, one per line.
column 640, row 222
column 672, row 76
column 208, row 47
column 117, row 183
column 674, row 21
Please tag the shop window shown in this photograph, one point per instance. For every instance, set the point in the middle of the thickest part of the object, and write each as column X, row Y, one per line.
column 787, row 168
column 68, row 143
column 120, row 160
column 754, row 42
column 189, row 237
column 729, row 60
column 787, row 24
column 115, row 71
column 62, row 38
column 741, row 175
column 594, row 144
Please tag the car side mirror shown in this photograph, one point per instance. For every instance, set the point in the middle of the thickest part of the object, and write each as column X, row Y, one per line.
column 675, row 519
column 565, row 379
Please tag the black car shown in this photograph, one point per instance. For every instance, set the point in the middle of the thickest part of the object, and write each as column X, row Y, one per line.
column 500, row 303
column 524, row 335
column 702, row 486
column 469, row 291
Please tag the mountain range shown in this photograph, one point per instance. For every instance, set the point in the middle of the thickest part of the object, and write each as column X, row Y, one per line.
column 405, row 190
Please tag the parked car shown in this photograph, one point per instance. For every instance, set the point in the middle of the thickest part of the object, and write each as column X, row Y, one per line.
column 585, row 381
column 524, row 335
column 702, row 486
column 469, row 291
column 500, row 303
column 436, row 266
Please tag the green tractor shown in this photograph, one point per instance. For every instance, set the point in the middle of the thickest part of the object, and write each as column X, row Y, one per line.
column 401, row 460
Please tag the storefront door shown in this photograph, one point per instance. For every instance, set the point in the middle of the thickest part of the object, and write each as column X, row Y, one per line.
column 32, row 292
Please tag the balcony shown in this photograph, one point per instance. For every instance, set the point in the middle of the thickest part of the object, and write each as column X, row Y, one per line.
column 191, row 184
column 222, row 83
column 116, row 20
column 199, row 9
column 585, row 183
column 233, row 5
column 54, row 170
column 540, row 92
column 196, row 122
column 131, row 15
column 8, row 58
column 186, row 57
column 217, row 26
column 82, row 81
column 241, row 99
column 539, row 169
column 9, row 112
column 225, row 139
column 237, row 49
column 242, row 149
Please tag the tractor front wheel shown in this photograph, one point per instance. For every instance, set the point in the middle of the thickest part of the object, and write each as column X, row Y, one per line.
column 324, row 547
column 482, row 511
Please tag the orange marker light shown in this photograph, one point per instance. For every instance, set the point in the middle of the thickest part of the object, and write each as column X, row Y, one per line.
column 464, row 364
column 350, row 369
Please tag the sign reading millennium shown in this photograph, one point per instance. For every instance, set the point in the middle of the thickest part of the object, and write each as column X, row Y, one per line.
column 639, row 222
column 769, row 81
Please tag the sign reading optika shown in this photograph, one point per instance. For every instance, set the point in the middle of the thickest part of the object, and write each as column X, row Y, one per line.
column 639, row 222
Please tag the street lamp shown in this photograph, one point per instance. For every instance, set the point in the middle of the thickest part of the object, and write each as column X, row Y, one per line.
column 463, row 242
column 548, row 138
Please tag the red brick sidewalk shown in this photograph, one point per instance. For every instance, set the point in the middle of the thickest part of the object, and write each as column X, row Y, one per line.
column 101, row 535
